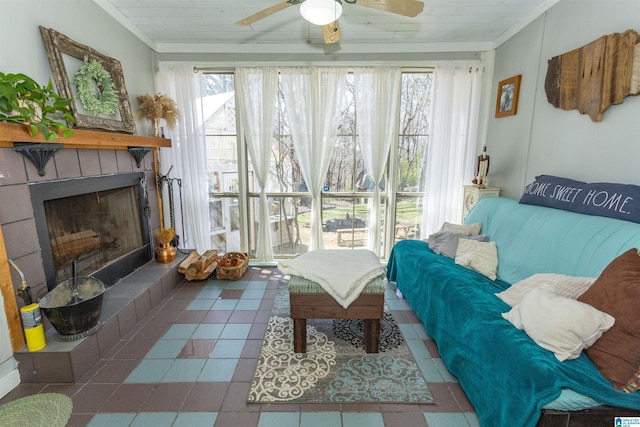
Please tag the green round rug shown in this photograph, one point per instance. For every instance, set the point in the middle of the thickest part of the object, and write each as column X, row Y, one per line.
column 45, row 409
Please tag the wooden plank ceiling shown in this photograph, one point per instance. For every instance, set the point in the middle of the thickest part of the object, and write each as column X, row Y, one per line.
column 209, row 25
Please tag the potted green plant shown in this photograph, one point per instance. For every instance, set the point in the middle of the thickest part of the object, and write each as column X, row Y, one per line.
column 23, row 100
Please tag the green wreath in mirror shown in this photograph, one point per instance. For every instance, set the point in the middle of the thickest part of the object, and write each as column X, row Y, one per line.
column 95, row 89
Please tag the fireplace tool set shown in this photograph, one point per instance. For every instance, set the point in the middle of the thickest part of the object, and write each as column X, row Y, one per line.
column 162, row 179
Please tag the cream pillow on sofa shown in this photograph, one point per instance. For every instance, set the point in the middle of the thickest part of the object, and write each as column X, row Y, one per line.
column 462, row 229
column 561, row 325
column 479, row 256
column 562, row 285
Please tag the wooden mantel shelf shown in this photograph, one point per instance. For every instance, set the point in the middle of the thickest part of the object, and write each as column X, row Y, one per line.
column 11, row 132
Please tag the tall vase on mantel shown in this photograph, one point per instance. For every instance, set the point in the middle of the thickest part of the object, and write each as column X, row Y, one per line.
column 157, row 131
column 158, row 107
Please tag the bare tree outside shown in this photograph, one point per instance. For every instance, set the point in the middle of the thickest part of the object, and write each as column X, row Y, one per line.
column 415, row 108
column 214, row 84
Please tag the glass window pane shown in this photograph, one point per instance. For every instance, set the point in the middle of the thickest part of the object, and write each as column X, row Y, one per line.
column 345, row 165
column 284, row 172
column 218, row 103
column 408, row 218
column 289, row 219
column 224, row 224
column 412, row 163
column 345, row 222
column 415, row 109
column 415, row 104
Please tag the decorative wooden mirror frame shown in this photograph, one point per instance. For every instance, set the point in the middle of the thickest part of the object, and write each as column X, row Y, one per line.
column 57, row 45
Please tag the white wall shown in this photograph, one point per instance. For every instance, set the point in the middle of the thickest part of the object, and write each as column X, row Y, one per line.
column 542, row 139
column 22, row 51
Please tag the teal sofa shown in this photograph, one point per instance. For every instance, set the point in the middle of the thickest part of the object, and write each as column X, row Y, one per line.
column 507, row 377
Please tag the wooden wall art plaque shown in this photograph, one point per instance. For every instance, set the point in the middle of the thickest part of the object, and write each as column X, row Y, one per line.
column 591, row 78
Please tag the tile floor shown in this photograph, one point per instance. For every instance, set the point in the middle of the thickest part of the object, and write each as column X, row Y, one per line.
column 190, row 360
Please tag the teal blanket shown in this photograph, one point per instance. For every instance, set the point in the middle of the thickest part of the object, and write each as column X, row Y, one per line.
column 505, row 375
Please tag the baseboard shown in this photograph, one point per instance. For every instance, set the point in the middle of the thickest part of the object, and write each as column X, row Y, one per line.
column 10, row 380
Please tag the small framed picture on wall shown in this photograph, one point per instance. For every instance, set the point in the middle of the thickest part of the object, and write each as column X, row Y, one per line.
column 507, row 100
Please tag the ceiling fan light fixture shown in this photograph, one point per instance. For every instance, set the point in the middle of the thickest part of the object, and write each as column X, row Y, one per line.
column 321, row 12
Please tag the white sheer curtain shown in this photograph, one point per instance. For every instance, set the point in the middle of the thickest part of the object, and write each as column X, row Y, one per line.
column 257, row 91
column 187, row 157
column 451, row 152
column 312, row 99
column 377, row 95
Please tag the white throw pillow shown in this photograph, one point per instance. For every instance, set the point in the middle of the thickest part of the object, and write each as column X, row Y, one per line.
column 479, row 256
column 562, row 285
column 473, row 229
column 561, row 325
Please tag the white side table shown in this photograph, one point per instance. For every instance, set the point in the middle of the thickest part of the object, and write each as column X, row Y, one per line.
column 472, row 194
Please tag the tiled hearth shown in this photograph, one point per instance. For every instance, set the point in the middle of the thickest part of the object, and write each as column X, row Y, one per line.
column 124, row 305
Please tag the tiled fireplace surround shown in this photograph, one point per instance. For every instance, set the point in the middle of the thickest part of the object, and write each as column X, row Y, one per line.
column 125, row 303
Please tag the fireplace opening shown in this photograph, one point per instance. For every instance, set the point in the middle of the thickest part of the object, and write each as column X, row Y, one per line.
column 99, row 222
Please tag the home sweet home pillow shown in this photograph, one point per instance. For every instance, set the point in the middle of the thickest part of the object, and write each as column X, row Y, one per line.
column 620, row 201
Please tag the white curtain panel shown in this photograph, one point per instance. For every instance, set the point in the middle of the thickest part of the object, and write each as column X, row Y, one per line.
column 377, row 96
column 187, row 157
column 312, row 98
column 256, row 95
column 451, row 151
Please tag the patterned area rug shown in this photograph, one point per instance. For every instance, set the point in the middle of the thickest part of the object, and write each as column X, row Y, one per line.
column 336, row 367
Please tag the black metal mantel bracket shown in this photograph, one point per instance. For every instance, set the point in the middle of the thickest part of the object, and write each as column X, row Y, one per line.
column 39, row 154
column 138, row 153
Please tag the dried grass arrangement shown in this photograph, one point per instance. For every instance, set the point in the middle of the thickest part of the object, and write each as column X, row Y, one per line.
column 156, row 107
column 165, row 235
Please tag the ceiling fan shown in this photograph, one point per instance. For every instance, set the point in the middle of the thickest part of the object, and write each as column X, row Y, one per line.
column 326, row 12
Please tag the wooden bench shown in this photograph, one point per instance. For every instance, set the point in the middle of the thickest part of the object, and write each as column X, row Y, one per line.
column 404, row 230
column 312, row 302
column 353, row 236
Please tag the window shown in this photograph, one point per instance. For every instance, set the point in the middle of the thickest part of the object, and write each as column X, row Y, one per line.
column 415, row 110
column 347, row 196
column 222, row 161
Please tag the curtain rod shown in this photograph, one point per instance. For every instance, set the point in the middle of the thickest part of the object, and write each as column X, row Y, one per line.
column 196, row 69
column 213, row 69
column 222, row 70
